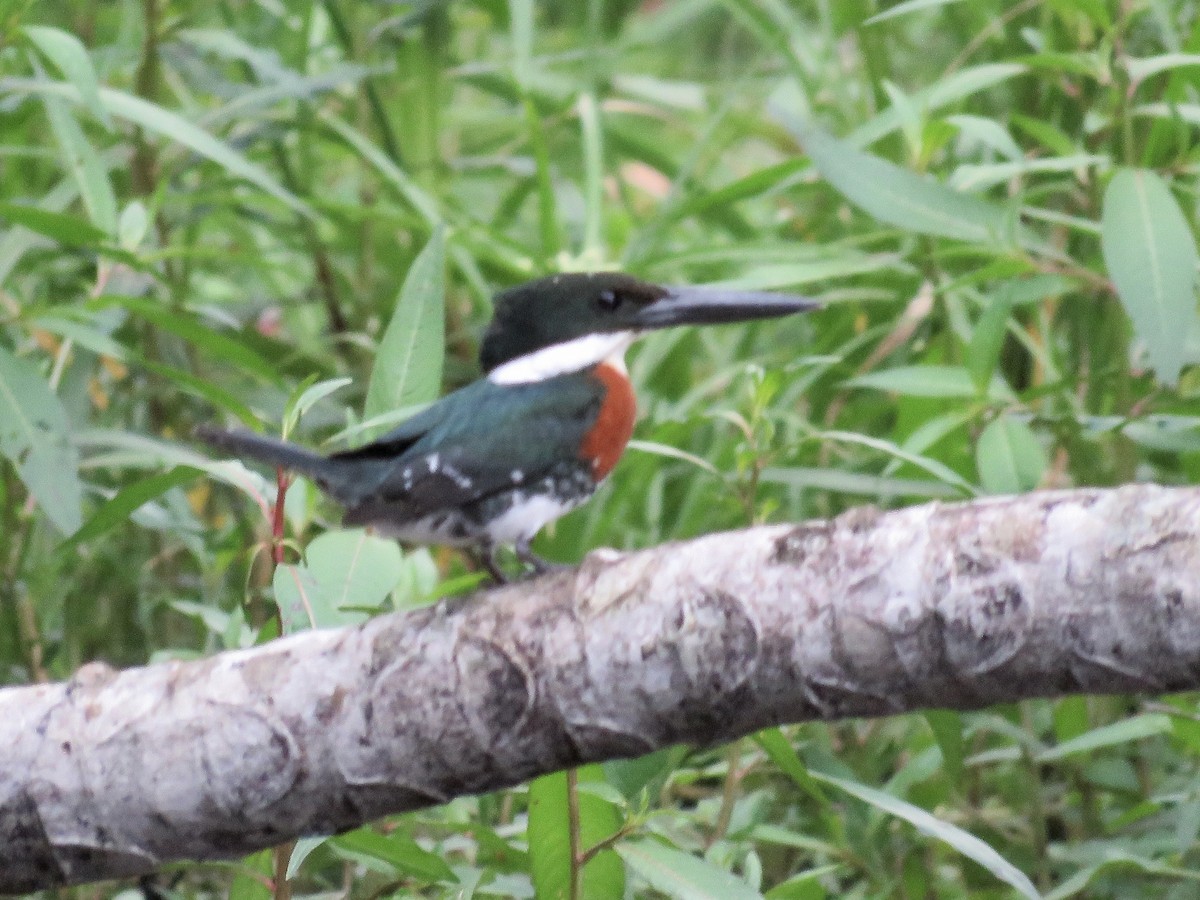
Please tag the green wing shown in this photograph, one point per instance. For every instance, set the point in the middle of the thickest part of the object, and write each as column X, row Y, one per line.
column 475, row 442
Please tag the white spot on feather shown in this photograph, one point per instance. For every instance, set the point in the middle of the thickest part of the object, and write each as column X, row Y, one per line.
column 463, row 481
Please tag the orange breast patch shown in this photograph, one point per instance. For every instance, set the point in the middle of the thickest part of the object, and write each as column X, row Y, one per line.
column 605, row 442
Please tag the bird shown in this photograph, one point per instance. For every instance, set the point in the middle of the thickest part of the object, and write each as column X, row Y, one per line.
column 492, row 463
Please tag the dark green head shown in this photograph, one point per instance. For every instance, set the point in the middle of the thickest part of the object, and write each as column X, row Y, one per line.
column 558, row 309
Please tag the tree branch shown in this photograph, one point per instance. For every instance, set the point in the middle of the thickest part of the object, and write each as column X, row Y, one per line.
column 870, row 614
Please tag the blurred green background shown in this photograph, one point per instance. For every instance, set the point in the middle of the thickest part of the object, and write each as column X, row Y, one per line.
column 214, row 212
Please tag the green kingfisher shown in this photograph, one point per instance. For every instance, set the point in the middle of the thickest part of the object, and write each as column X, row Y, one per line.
column 495, row 461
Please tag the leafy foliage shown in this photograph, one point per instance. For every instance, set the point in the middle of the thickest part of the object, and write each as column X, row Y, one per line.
column 214, row 211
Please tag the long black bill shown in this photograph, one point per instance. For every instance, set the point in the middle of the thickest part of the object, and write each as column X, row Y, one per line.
column 715, row 306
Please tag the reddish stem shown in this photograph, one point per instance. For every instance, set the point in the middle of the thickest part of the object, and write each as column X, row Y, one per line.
column 281, row 485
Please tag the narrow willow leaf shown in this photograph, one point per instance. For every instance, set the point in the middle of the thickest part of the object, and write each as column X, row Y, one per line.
column 1009, row 457
column 127, row 501
column 929, row 381
column 16, row 242
column 964, row 842
column 783, row 754
column 416, row 196
column 408, row 364
column 309, row 396
column 84, row 165
column 908, row 6
column 901, row 197
column 301, row 851
column 521, row 24
column 987, row 340
column 36, row 438
column 1168, row 433
column 67, row 53
column 987, row 175
column 62, row 227
column 882, row 486
column 682, row 875
column 1151, row 255
column 190, row 327
column 1141, row 69
column 1123, row 732
column 175, row 127
column 932, row 466
column 398, row 850
column 947, row 728
column 593, row 168
column 942, row 92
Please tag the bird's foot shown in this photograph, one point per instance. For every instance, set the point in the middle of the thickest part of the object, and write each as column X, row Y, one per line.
column 485, row 558
column 540, row 566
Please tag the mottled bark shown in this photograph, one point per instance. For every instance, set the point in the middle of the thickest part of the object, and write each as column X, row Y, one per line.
column 867, row 615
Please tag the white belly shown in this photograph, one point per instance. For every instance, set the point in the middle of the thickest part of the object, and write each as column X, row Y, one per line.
column 526, row 517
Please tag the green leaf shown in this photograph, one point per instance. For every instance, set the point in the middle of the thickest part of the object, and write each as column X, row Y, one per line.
column 944, row 91
column 1009, row 457
column 16, row 242
column 962, row 841
column 126, row 502
column 343, row 574
column 84, row 165
column 784, row 755
column 398, row 850
column 805, row 886
column 908, row 6
column 417, row 197
column 947, row 728
column 311, row 393
column 682, row 875
column 630, row 776
column 253, row 876
column 1151, row 254
column 932, row 466
column 175, row 127
column 929, row 381
column 842, row 482
column 204, row 388
column 301, row 851
column 593, row 180
column 1141, row 69
column 1126, row 731
column 1169, row 433
column 408, row 363
column 36, row 438
column 193, row 329
column 67, row 53
column 901, row 197
column 132, row 225
column 62, row 227
column 549, row 843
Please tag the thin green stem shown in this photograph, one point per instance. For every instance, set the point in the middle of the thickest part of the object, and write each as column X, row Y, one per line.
column 575, row 836
column 607, row 844
column 729, row 792
column 386, row 134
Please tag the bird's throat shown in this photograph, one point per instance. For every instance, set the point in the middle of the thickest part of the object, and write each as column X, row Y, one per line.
column 560, row 359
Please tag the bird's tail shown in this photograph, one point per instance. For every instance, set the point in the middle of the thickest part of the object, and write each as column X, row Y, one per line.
column 269, row 450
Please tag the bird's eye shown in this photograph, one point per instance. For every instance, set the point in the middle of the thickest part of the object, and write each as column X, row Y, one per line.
column 608, row 300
